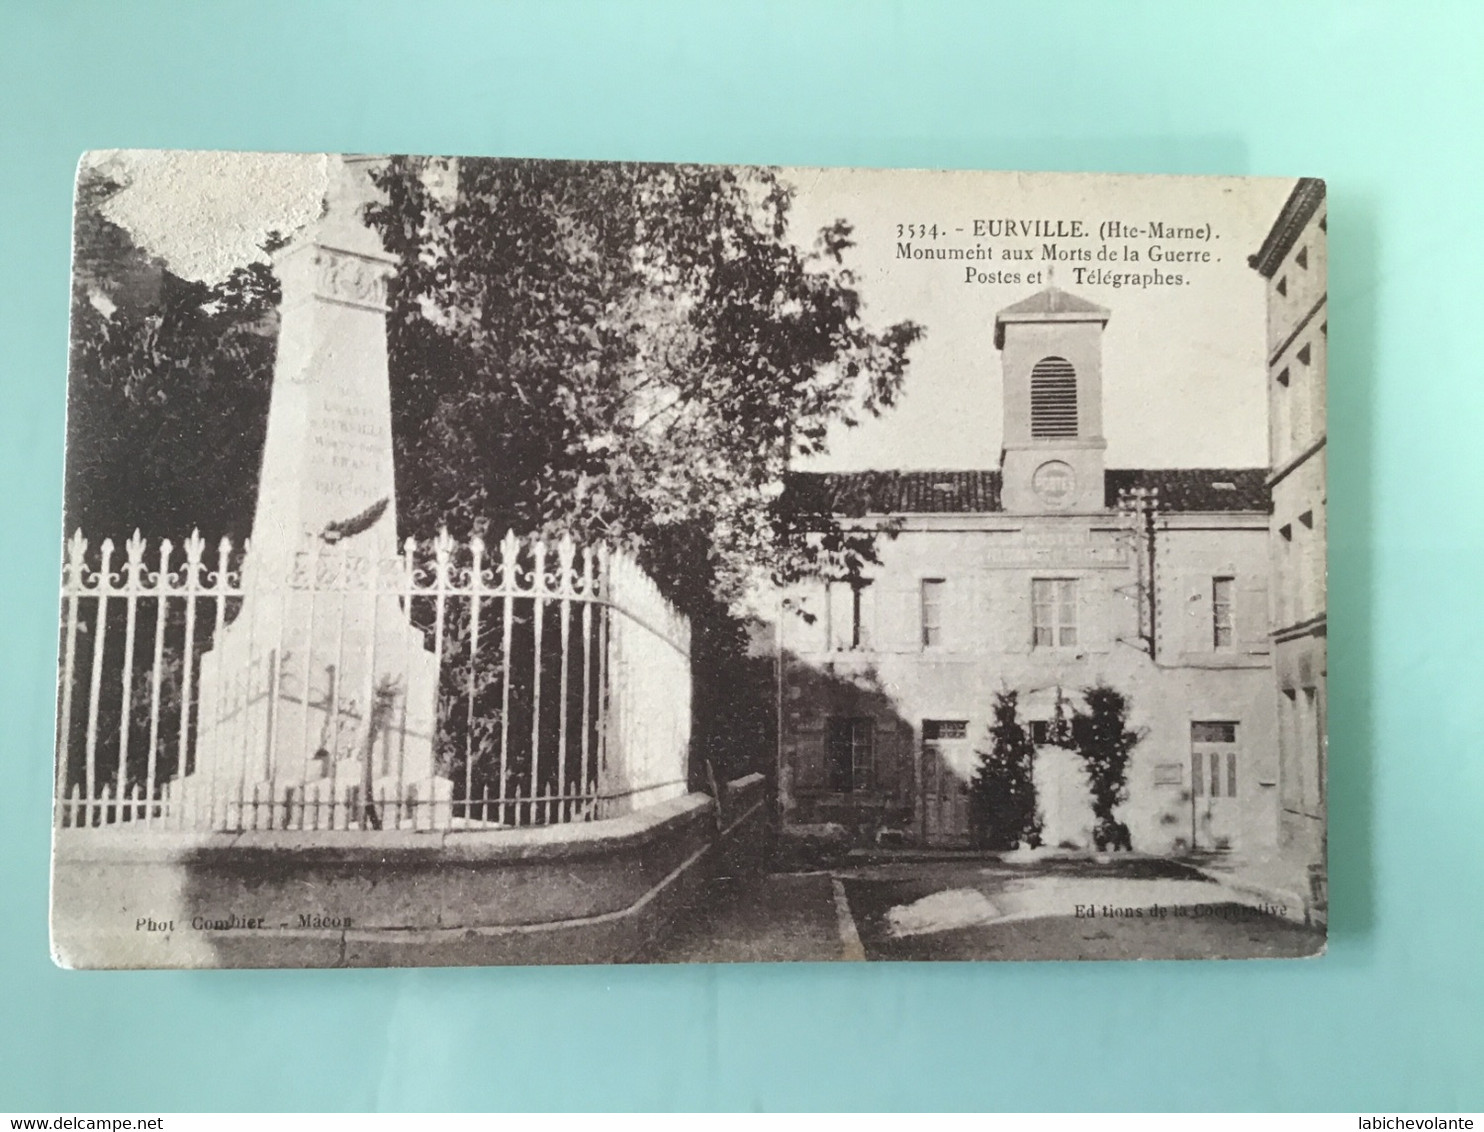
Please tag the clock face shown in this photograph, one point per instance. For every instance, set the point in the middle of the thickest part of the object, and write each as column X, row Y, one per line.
column 1054, row 483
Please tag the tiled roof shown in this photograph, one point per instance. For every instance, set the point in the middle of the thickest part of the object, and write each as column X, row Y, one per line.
column 978, row 492
column 895, row 493
column 1195, row 489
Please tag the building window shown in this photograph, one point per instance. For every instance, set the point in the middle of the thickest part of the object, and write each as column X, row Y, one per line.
column 1221, row 612
column 944, row 730
column 1213, row 732
column 1054, row 612
column 1302, row 258
column 1283, row 286
column 1053, row 398
column 847, row 621
column 852, row 761
column 932, row 611
column 1041, row 732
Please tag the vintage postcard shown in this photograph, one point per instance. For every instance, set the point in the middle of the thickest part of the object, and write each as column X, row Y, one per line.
column 484, row 561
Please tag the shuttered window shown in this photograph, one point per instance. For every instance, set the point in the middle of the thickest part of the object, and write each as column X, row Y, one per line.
column 1053, row 398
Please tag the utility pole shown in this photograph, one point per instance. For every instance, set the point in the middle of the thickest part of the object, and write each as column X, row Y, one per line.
column 1142, row 503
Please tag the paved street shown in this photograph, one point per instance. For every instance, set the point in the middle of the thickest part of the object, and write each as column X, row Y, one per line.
column 965, row 907
column 760, row 918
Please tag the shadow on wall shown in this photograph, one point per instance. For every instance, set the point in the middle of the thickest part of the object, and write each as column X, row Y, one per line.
column 848, row 754
column 855, row 769
column 734, row 704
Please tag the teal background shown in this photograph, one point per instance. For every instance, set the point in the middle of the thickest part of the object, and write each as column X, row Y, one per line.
column 1383, row 100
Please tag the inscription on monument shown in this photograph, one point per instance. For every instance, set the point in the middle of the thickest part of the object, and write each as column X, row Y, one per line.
column 350, row 449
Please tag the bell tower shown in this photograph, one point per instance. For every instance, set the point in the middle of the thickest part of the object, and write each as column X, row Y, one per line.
column 1051, row 348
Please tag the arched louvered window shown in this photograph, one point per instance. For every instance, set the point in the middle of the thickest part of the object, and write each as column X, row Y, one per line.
column 1053, row 398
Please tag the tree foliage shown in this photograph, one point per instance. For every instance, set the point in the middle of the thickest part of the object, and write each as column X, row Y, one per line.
column 1103, row 739
column 1002, row 796
column 634, row 352
column 168, row 389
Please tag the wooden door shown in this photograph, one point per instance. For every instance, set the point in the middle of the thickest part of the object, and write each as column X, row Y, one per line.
column 1216, row 780
column 947, row 767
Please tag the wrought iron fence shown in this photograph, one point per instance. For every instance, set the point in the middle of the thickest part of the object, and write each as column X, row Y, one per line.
column 444, row 688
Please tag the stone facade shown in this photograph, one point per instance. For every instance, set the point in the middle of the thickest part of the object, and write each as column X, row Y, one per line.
column 1293, row 259
column 1036, row 577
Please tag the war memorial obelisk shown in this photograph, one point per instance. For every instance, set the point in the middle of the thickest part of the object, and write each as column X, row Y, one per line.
column 317, row 703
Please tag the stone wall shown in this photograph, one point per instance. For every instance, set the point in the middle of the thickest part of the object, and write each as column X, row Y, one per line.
column 579, row 893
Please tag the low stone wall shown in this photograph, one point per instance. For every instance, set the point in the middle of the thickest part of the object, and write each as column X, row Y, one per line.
column 580, row 893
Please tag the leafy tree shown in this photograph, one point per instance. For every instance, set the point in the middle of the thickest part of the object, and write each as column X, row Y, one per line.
column 629, row 352
column 167, row 399
column 625, row 350
column 1002, row 797
column 637, row 353
column 167, row 409
column 1102, row 737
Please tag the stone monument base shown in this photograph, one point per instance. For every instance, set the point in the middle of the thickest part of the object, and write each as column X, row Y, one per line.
column 307, row 711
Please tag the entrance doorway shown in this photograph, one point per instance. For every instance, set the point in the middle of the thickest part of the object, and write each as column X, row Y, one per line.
column 1215, row 816
column 947, row 769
